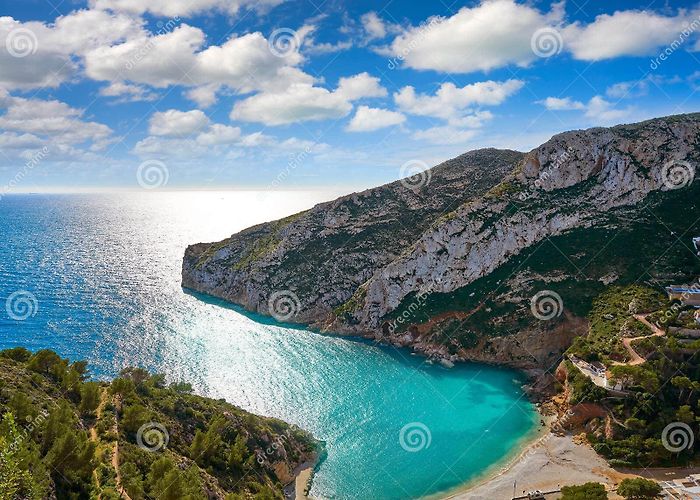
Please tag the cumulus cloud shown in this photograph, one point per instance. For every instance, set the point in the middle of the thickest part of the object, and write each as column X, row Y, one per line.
column 603, row 112
column 45, row 51
column 458, row 106
column 299, row 102
column 627, row 33
column 452, row 103
column 174, row 123
column 304, row 102
column 28, row 124
column 219, row 134
column 597, row 110
column 498, row 33
column 177, row 57
column 359, row 86
column 126, row 92
column 562, row 104
column 490, row 35
column 373, row 25
column 367, row 119
column 204, row 96
column 220, row 141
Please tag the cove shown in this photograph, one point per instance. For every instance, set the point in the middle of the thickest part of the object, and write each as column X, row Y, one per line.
column 105, row 271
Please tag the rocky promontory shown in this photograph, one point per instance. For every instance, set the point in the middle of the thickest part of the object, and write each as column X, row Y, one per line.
column 452, row 261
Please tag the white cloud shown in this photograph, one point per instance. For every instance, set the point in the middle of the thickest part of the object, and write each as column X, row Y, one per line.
column 298, row 103
column 562, row 104
column 598, row 111
column 639, row 88
column 498, row 33
column 310, row 46
column 203, row 96
column 219, row 134
column 303, row 102
column 445, row 135
column 9, row 140
column 30, row 123
column 626, row 33
column 178, row 57
column 48, row 49
column 182, row 7
column 217, row 140
column 373, row 25
column 174, row 123
column 451, row 102
column 490, row 35
column 367, row 119
column 359, row 86
column 313, row 47
column 603, row 112
column 127, row 92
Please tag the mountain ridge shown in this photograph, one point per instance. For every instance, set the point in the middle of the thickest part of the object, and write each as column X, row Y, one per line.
column 469, row 217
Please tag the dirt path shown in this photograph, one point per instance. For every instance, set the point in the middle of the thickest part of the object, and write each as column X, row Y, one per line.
column 635, row 358
column 115, row 455
column 93, row 432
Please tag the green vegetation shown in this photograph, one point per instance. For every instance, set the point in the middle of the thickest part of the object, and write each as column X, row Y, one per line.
column 588, row 491
column 58, row 434
column 612, row 319
column 353, row 304
column 660, row 394
column 502, row 189
column 626, row 247
column 639, row 489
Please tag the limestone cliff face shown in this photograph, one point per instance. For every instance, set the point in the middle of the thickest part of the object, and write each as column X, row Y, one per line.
column 564, row 184
column 324, row 254
column 352, row 263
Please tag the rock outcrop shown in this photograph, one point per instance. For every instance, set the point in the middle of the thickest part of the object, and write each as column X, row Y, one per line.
column 354, row 265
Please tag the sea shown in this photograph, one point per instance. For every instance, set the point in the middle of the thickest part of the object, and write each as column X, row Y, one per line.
column 96, row 277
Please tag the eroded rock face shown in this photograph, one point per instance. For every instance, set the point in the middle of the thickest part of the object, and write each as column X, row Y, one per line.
column 324, row 254
column 349, row 263
column 567, row 182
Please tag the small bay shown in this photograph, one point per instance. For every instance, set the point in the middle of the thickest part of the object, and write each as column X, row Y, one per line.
column 105, row 271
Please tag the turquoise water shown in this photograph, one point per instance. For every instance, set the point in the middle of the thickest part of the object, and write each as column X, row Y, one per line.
column 105, row 271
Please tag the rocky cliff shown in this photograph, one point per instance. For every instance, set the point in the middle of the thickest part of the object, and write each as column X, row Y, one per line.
column 493, row 256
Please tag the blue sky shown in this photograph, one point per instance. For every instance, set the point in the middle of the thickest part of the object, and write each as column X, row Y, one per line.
column 302, row 93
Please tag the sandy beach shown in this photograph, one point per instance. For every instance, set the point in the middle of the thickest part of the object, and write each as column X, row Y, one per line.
column 548, row 463
column 302, row 482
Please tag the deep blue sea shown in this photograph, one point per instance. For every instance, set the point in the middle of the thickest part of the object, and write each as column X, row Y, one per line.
column 105, row 273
